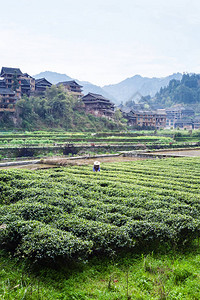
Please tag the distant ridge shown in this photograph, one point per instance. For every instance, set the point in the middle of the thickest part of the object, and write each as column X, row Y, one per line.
column 53, row 77
column 124, row 90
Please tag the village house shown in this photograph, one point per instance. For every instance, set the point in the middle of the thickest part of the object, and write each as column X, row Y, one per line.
column 27, row 84
column 175, row 113
column 184, row 123
column 196, row 123
column 15, row 84
column 72, row 87
column 41, row 85
column 25, row 87
column 172, row 115
column 161, row 117
column 156, row 119
column 10, row 75
column 128, row 114
column 131, row 118
column 98, row 105
column 146, row 119
column 188, row 123
column 7, row 99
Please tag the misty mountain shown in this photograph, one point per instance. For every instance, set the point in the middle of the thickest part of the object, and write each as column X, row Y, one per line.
column 127, row 88
column 54, row 78
column 120, row 92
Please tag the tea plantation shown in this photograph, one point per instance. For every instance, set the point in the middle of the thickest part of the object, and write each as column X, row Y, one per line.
column 69, row 215
column 74, row 213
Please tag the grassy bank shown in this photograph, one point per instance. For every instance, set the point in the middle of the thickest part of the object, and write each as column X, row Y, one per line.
column 134, row 276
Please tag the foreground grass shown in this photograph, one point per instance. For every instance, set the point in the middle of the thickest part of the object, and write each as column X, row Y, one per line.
column 129, row 276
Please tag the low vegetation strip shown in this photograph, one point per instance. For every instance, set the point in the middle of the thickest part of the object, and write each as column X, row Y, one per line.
column 59, row 140
column 73, row 212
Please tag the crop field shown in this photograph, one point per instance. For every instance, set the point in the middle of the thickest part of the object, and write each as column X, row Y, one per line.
column 44, row 138
column 72, row 213
column 53, row 138
column 42, row 143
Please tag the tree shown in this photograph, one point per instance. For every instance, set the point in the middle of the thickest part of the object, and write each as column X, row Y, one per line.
column 15, row 82
column 184, row 94
column 190, row 81
column 40, row 106
column 60, row 105
column 117, row 115
column 58, row 109
column 185, row 91
column 25, row 111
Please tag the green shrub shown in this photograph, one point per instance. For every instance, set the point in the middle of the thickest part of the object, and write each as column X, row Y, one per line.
column 41, row 242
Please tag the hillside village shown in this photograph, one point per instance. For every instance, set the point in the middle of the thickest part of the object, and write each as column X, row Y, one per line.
column 14, row 84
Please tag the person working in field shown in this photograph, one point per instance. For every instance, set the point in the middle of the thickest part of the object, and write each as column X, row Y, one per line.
column 96, row 167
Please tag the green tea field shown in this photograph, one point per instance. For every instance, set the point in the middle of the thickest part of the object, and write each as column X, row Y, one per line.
column 73, row 214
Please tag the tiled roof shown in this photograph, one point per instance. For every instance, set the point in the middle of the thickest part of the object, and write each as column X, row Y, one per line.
column 42, row 80
column 71, row 82
column 96, row 97
column 125, row 109
column 27, row 75
column 12, row 71
column 5, row 91
column 175, row 108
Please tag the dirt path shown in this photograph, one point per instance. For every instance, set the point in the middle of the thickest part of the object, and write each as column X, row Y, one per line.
column 57, row 162
column 90, row 161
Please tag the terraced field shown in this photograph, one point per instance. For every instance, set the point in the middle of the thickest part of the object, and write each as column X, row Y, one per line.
column 53, row 138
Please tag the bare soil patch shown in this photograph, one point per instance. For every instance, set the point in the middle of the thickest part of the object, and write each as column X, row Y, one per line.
column 89, row 161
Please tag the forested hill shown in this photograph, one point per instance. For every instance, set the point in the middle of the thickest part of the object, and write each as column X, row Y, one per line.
column 184, row 91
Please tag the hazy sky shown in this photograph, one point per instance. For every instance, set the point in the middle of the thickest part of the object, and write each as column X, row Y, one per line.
column 101, row 41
